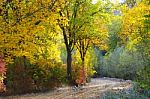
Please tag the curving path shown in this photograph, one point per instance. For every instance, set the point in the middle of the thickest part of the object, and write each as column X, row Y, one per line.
column 92, row 90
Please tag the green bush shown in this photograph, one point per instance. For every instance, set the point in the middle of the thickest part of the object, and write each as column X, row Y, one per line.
column 121, row 63
column 143, row 77
column 131, row 93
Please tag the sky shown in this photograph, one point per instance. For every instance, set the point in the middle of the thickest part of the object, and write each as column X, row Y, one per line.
column 113, row 1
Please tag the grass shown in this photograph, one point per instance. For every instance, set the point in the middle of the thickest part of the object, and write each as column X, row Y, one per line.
column 132, row 93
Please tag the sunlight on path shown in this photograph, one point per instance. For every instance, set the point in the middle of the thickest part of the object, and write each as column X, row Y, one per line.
column 94, row 89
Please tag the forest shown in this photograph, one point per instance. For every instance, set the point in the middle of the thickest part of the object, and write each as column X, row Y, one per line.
column 49, row 43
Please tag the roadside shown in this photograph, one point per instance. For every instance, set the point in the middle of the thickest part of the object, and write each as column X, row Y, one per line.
column 92, row 90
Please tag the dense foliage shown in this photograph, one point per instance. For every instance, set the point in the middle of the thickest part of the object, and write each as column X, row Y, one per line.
column 46, row 43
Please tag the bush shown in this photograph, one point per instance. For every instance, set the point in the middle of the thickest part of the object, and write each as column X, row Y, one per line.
column 79, row 74
column 19, row 76
column 58, row 73
column 121, row 63
column 143, row 77
column 131, row 93
column 23, row 77
column 51, row 78
column 2, row 74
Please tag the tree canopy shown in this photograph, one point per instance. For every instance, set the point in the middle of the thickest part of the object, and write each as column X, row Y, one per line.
column 61, row 39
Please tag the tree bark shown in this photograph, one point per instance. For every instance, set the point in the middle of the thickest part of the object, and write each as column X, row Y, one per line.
column 69, row 55
column 83, row 61
column 69, row 61
column 83, row 70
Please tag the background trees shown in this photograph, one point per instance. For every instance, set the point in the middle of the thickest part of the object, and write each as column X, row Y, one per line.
column 129, row 40
column 36, row 34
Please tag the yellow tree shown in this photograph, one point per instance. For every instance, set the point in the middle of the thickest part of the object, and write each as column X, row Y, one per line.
column 135, row 35
column 20, row 24
column 134, row 26
column 76, row 16
column 91, row 35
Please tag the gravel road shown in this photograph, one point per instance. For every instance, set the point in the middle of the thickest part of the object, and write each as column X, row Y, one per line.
column 92, row 90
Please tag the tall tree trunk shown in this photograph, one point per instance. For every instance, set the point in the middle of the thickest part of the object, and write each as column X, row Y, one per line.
column 69, row 55
column 69, row 61
column 83, row 70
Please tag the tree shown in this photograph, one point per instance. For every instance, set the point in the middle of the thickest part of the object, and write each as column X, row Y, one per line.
column 114, row 29
column 20, row 24
column 92, row 35
column 21, row 28
column 68, row 14
column 76, row 17
column 135, row 35
column 134, row 28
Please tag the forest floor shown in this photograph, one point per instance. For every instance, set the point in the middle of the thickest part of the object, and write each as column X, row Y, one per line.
column 93, row 90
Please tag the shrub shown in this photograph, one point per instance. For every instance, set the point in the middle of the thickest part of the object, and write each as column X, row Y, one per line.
column 121, row 63
column 143, row 77
column 19, row 76
column 2, row 74
column 79, row 75
column 22, row 76
column 131, row 93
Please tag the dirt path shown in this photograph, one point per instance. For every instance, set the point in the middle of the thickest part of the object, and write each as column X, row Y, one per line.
column 92, row 90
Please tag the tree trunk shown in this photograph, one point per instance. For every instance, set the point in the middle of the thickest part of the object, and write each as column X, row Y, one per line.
column 69, row 61
column 82, row 61
column 69, row 56
column 83, row 71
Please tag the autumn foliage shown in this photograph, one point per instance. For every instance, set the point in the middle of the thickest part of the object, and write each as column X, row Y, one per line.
column 42, row 41
column 2, row 74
